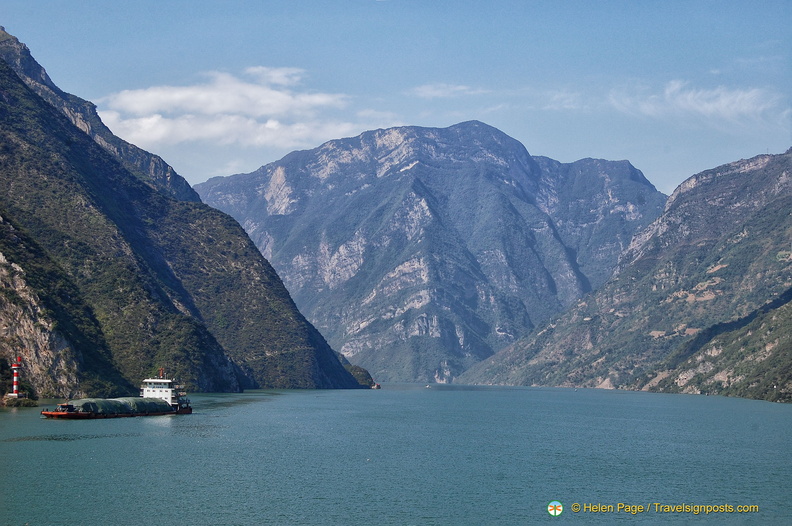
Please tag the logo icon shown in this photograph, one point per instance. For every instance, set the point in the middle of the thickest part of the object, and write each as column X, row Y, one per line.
column 555, row 508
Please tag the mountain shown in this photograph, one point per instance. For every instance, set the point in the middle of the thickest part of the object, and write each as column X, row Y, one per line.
column 419, row 252
column 148, row 167
column 105, row 275
column 699, row 303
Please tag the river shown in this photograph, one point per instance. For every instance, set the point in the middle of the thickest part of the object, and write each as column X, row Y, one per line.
column 406, row 454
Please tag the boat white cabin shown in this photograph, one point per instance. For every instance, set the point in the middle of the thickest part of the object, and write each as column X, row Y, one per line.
column 165, row 388
column 159, row 388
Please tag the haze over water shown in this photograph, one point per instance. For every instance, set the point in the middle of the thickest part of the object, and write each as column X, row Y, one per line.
column 403, row 455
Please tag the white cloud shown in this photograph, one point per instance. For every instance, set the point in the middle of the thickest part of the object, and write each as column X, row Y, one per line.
column 278, row 76
column 443, row 91
column 227, row 94
column 716, row 106
column 225, row 129
column 562, row 100
column 266, row 107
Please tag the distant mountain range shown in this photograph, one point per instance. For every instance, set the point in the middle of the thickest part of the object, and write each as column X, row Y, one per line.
column 419, row 252
column 439, row 255
column 111, row 267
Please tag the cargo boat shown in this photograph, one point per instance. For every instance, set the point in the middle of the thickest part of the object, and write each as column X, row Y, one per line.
column 158, row 396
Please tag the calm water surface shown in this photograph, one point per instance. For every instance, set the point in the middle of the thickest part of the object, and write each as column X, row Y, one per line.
column 403, row 455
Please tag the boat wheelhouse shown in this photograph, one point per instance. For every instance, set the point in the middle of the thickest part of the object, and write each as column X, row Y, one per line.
column 167, row 389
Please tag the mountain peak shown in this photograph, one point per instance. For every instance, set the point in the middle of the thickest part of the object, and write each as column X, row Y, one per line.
column 476, row 126
column 17, row 55
column 398, row 149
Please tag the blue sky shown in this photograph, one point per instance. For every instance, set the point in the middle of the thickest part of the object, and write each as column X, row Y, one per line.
column 224, row 87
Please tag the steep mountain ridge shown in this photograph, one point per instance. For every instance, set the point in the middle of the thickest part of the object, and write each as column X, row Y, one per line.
column 728, row 196
column 155, row 281
column 421, row 251
column 148, row 167
column 716, row 259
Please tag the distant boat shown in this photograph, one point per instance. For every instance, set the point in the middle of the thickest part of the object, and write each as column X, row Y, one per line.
column 158, row 396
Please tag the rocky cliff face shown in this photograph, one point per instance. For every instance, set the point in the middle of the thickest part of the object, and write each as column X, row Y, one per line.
column 26, row 330
column 421, row 251
column 44, row 321
column 715, row 262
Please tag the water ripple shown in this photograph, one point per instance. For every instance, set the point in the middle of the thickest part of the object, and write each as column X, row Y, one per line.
column 67, row 438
